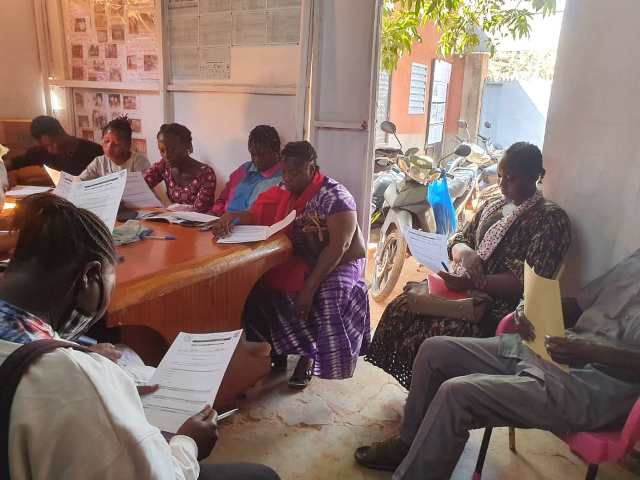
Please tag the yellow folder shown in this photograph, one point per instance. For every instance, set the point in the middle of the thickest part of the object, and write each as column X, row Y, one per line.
column 543, row 308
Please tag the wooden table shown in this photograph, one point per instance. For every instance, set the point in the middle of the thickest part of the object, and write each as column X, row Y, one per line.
column 193, row 285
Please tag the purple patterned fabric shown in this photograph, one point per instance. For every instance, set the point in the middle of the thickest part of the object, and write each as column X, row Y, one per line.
column 338, row 329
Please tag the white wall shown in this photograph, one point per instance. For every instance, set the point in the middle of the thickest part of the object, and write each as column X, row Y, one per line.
column 221, row 122
column 20, row 79
column 517, row 110
column 592, row 144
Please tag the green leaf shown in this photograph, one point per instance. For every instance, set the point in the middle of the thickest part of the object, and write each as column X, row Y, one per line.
column 457, row 22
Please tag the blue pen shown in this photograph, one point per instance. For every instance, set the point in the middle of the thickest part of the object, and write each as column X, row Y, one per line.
column 160, row 237
column 444, row 265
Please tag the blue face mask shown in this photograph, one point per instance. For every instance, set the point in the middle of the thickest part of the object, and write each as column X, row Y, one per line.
column 79, row 322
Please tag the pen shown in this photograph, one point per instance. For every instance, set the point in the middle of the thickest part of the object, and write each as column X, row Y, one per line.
column 160, row 237
column 444, row 265
column 224, row 415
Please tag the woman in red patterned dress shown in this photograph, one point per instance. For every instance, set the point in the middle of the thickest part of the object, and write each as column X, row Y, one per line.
column 188, row 181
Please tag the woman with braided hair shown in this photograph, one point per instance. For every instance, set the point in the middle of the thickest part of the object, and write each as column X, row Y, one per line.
column 116, row 144
column 75, row 414
column 188, row 181
column 487, row 255
column 315, row 305
column 255, row 177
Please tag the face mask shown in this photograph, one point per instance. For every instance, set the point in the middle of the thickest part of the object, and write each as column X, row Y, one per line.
column 79, row 322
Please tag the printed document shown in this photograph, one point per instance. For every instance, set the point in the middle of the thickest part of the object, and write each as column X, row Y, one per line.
column 430, row 249
column 137, row 193
column 21, row 191
column 100, row 196
column 543, row 308
column 256, row 233
column 181, row 218
column 53, row 174
column 189, row 377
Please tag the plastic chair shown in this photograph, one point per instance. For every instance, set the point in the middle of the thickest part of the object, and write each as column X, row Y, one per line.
column 594, row 448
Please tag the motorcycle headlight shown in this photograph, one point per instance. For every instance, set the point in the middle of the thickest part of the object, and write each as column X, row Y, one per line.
column 420, row 169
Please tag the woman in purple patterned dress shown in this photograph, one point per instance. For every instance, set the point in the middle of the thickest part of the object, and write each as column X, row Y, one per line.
column 188, row 181
column 316, row 304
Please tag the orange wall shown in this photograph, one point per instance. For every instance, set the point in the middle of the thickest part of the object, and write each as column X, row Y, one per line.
column 425, row 53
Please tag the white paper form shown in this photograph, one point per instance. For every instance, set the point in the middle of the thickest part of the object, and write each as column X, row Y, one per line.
column 249, row 28
column 283, row 3
column 21, row 191
column 430, row 249
column 100, row 196
column 283, row 26
column 189, row 376
column 183, row 29
column 137, row 193
column 181, row 217
column 215, row 29
column 213, row 6
column 255, row 233
column 185, row 62
column 54, row 174
column 215, row 63
column 66, row 181
column 195, row 216
column 173, row 4
column 238, row 5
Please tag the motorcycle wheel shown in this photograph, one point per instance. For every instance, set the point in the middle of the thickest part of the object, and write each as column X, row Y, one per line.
column 389, row 265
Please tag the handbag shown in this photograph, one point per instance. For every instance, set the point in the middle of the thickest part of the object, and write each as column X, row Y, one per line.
column 422, row 300
column 312, row 237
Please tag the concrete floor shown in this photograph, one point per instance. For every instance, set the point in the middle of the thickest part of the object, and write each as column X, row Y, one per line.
column 311, row 435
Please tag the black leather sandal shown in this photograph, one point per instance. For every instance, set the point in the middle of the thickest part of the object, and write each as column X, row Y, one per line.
column 298, row 382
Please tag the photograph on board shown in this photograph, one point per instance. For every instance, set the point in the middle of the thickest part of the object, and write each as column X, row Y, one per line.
column 114, row 100
column 88, row 135
column 136, row 125
column 139, row 145
column 115, row 74
column 78, row 99
column 129, row 102
column 77, row 51
column 111, row 51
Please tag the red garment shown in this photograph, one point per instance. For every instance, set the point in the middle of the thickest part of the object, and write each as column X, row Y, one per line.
column 271, row 207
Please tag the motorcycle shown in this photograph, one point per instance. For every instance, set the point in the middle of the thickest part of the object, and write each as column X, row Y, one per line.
column 494, row 151
column 406, row 205
column 486, row 159
column 386, row 172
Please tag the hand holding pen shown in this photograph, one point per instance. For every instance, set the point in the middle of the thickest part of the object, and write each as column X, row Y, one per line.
column 223, row 226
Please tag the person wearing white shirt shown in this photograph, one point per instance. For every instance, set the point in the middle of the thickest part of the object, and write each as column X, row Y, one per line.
column 77, row 415
column 116, row 144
